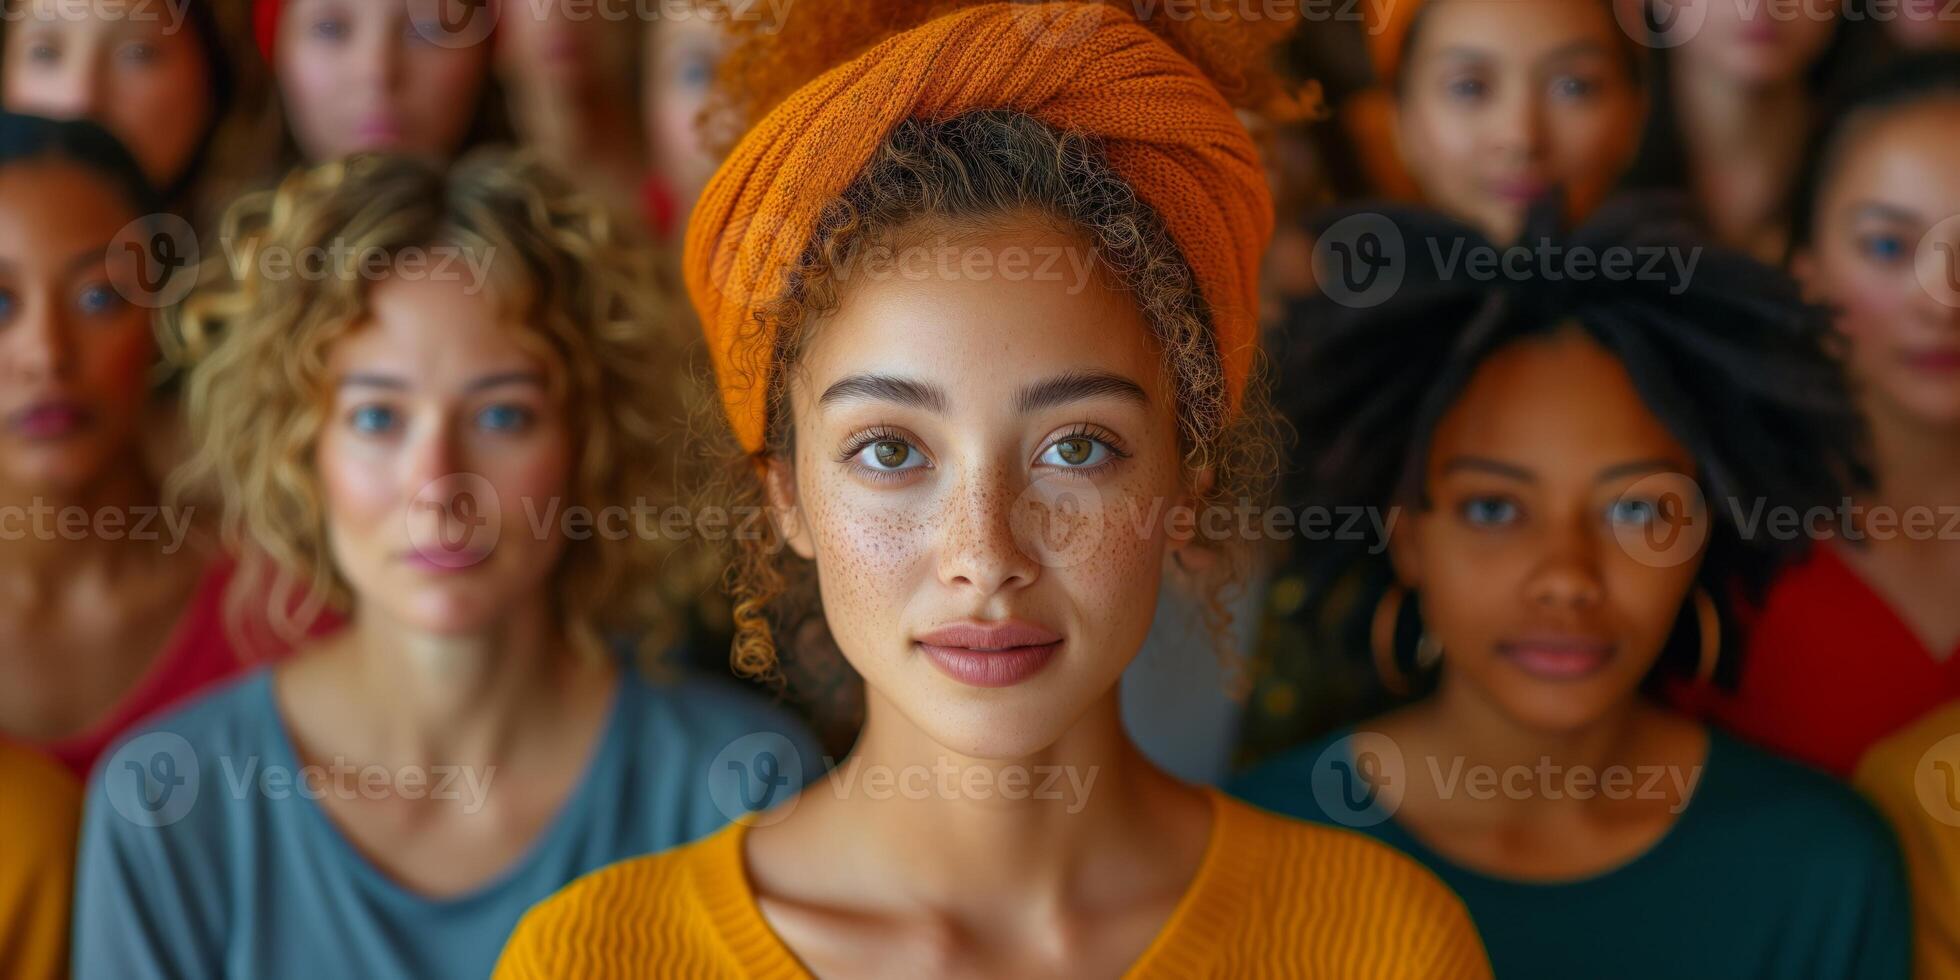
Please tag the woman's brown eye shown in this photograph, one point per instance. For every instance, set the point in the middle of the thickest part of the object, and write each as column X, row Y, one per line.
column 1075, row 452
column 892, row 454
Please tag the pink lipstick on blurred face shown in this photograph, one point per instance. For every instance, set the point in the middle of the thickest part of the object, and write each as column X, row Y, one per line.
column 998, row 654
column 50, row 419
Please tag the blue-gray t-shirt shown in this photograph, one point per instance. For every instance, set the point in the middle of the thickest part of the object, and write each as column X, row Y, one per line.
column 206, row 853
column 1771, row 870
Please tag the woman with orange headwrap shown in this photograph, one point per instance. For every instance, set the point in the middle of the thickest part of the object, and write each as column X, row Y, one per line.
column 981, row 304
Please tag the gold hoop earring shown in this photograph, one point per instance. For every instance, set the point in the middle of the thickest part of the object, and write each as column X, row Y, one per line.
column 1381, row 640
column 1710, row 620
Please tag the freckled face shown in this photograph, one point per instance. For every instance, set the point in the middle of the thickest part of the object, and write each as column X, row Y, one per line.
column 441, row 437
column 988, row 452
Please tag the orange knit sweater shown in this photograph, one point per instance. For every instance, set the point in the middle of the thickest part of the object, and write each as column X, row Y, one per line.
column 1273, row 898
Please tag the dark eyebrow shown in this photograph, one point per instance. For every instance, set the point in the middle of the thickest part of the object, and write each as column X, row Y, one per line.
column 394, row 383
column 360, row 380
column 87, row 257
column 1656, row 465
column 1487, row 465
column 506, row 378
column 884, row 387
column 1076, row 386
column 1884, row 211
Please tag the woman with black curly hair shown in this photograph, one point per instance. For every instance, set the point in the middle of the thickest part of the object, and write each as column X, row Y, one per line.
column 1560, row 454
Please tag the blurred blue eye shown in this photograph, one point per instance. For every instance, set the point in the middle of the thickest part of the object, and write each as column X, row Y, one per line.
column 697, row 71
column 8, row 305
column 1466, row 88
column 43, row 52
column 1633, row 511
column 140, row 53
column 329, row 30
column 1887, row 248
column 1573, row 87
column 98, row 299
column 1489, row 511
column 372, row 419
column 504, row 418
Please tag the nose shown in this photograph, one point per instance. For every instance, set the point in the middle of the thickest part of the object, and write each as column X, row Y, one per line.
column 978, row 548
column 1517, row 127
column 1567, row 575
column 431, row 455
column 38, row 345
column 378, row 55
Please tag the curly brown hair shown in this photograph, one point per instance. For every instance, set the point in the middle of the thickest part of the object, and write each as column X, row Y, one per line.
column 599, row 316
column 987, row 168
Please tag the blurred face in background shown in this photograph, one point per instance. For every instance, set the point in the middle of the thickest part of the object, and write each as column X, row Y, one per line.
column 362, row 75
column 1538, row 556
column 74, row 354
column 678, row 68
column 1885, row 252
column 134, row 67
column 1924, row 25
column 1750, row 43
column 1502, row 99
column 563, row 47
column 441, row 431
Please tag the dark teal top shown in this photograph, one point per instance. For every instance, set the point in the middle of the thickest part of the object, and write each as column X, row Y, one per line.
column 1773, row 869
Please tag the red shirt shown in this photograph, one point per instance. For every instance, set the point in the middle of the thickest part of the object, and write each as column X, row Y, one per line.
column 197, row 655
column 1831, row 668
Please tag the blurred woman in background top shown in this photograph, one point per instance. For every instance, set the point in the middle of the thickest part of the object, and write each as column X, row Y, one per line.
column 677, row 69
column 570, row 75
column 1735, row 86
column 1864, row 636
column 381, row 75
column 168, row 79
column 1492, row 104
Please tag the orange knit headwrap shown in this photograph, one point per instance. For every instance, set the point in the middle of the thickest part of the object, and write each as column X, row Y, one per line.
column 1077, row 66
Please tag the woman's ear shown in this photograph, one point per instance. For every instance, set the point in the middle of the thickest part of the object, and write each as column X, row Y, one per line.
column 779, row 483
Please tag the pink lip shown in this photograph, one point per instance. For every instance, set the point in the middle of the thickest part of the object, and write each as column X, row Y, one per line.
column 1557, row 657
column 990, row 654
column 51, row 419
column 1518, row 190
column 1932, row 360
column 378, row 131
column 436, row 561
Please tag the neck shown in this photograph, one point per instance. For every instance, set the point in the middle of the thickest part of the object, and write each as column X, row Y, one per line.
column 1482, row 736
column 574, row 125
column 1718, row 116
column 443, row 699
column 959, row 832
column 62, row 537
column 1915, row 464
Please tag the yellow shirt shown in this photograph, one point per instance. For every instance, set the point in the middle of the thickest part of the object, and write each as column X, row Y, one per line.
column 40, row 811
column 1914, row 777
column 1274, row 897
